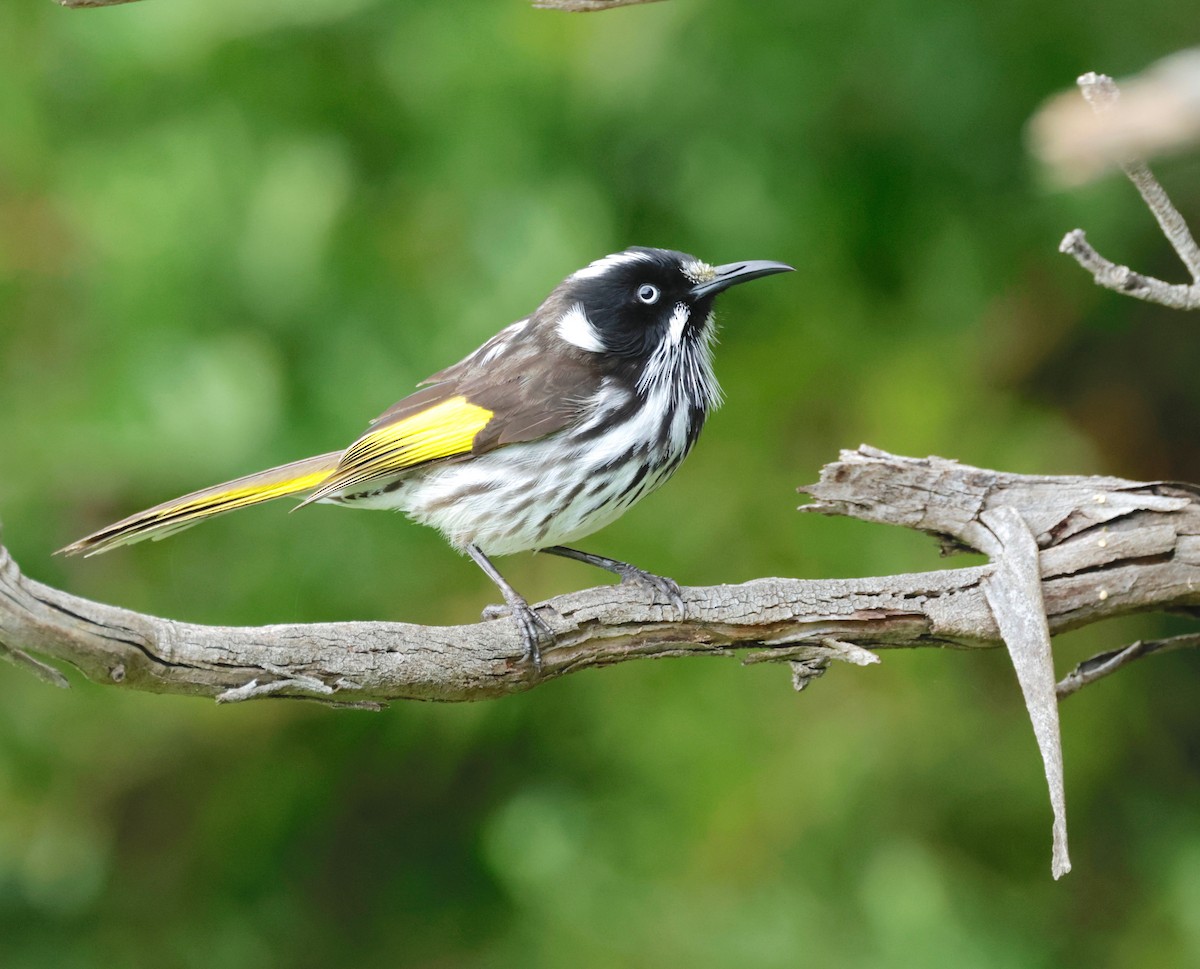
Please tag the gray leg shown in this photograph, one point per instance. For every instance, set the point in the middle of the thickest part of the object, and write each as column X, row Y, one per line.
column 630, row 574
column 532, row 627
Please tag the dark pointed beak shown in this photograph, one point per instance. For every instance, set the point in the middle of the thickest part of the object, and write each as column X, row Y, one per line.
column 738, row 272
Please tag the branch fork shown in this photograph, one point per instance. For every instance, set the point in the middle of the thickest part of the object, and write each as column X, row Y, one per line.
column 1102, row 94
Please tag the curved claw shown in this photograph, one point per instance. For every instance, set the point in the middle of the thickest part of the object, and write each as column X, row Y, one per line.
column 657, row 584
column 534, row 631
column 532, row 627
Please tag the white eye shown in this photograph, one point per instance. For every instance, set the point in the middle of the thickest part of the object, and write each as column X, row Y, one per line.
column 648, row 294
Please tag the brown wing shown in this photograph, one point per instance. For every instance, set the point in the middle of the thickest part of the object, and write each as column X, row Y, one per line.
column 531, row 381
column 514, row 388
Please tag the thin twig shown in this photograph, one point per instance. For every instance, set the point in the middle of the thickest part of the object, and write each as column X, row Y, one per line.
column 1104, row 664
column 810, row 662
column 1122, row 279
column 43, row 671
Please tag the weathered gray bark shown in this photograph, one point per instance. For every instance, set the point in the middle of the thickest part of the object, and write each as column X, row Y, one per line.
column 1107, row 547
column 377, row 661
column 1062, row 550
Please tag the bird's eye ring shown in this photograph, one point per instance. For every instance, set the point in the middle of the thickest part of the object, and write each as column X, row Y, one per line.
column 648, row 294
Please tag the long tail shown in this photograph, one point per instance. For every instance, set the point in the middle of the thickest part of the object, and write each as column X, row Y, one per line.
column 173, row 516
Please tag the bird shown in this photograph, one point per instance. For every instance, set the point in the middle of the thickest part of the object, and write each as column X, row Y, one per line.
column 547, row 432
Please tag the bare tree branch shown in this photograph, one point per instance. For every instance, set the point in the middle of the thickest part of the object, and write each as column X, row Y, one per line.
column 378, row 661
column 1102, row 94
column 1107, row 547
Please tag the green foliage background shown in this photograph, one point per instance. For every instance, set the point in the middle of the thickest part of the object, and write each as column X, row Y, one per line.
column 231, row 231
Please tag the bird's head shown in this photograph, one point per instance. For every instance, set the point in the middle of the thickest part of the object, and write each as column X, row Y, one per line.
column 634, row 303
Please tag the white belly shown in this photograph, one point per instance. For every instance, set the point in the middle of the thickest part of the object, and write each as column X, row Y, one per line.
column 552, row 491
column 515, row 499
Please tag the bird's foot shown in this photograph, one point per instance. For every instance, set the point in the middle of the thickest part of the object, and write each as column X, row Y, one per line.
column 657, row 585
column 533, row 629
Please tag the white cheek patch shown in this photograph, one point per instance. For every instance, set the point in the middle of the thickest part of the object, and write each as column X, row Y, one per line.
column 574, row 327
column 679, row 318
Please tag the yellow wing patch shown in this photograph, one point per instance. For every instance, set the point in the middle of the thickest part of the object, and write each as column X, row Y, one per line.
column 444, row 430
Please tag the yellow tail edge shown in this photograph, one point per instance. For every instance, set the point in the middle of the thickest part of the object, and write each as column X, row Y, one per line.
column 174, row 516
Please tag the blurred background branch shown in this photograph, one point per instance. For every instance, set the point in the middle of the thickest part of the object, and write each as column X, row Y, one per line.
column 586, row 6
column 1157, row 112
column 91, row 3
column 574, row 6
column 1162, row 113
